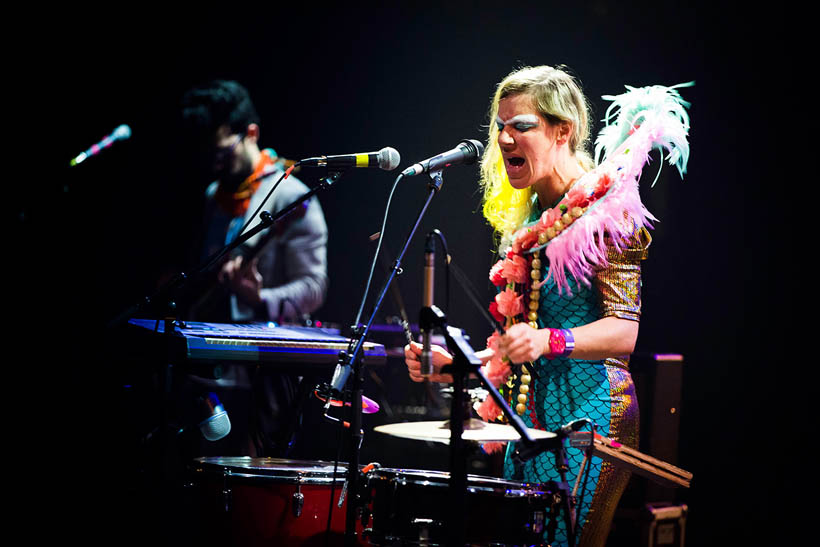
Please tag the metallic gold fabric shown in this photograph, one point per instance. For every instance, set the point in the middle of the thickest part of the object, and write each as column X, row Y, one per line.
column 619, row 288
column 619, row 283
column 623, row 427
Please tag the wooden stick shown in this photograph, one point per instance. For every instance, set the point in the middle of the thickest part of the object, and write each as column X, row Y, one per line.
column 642, row 464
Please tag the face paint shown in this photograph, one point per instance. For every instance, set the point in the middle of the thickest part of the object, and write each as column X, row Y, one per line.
column 526, row 142
column 521, row 122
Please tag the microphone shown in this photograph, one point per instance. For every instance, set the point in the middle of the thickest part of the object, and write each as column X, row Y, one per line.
column 119, row 134
column 467, row 152
column 429, row 286
column 337, row 382
column 215, row 423
column 387, row 158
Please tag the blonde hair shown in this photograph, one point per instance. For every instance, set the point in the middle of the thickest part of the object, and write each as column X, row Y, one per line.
column 558, row 98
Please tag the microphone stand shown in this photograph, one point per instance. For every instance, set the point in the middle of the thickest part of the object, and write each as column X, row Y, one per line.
column 163, row 297
column 349, row 364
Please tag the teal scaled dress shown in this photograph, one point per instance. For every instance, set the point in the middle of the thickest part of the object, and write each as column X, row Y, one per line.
column 565, row 389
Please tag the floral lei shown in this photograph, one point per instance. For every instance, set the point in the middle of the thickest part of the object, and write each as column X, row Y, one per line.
column 519, row 273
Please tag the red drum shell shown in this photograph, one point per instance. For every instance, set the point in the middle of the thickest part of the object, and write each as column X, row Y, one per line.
column 253, row 501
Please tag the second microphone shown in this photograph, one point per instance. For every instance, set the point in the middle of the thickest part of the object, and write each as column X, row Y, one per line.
column 387, row 158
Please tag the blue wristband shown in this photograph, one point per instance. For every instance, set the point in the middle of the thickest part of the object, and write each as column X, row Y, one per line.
column 569, row 342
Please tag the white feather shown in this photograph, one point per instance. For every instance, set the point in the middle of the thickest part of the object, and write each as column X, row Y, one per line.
column 661, row 107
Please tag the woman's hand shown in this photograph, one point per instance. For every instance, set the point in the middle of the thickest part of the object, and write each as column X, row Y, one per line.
column 412, row 356
column 601, row 339
column 522, row 343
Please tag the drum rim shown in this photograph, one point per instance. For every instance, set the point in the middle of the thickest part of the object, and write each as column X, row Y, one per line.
column 279, row 470
column 475, row 483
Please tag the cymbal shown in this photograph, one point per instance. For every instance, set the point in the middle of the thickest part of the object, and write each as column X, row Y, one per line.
column 474, row 430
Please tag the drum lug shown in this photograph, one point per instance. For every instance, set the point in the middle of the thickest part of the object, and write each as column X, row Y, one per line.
column 342, row 495
column 365, row 515
column 226, row 492
column 298, row 501
column 424, row 527
column 537, row 524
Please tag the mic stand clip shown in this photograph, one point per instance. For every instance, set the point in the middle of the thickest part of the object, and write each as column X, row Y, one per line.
column 436, row 180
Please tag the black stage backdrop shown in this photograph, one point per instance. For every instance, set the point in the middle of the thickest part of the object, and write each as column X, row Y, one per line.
column 332, row 80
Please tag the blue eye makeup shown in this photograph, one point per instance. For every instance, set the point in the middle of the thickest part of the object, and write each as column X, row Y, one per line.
column 522, row 126
column 522, row 122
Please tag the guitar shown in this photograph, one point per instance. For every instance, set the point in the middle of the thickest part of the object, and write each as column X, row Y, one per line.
column 212, row 302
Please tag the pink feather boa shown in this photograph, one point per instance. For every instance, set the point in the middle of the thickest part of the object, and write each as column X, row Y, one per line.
column 608, row 196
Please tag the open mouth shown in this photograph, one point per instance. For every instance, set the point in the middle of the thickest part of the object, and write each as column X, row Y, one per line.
column 516, row 162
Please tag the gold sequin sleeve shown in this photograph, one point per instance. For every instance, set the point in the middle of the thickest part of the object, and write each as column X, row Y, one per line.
column 619, row 283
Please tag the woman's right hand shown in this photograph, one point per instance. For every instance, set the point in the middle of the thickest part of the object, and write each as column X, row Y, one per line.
column 412, row 356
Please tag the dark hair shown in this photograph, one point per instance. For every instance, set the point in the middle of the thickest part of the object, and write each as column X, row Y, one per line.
column 206, row 108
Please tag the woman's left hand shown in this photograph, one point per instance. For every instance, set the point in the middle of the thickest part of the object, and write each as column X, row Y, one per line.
column 523, row 344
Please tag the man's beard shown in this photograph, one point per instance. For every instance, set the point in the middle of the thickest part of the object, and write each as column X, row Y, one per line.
column 230, row 181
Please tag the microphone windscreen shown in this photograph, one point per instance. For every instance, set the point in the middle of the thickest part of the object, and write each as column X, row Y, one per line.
column 214, row 423
column 475, row 149
column 389, row 158
column 216, row 427
column 122, row 132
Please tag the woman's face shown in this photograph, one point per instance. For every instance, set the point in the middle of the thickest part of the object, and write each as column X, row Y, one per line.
column 527, row 141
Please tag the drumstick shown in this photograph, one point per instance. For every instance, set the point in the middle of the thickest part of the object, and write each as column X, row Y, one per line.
column 580, row 472
column 635, row 461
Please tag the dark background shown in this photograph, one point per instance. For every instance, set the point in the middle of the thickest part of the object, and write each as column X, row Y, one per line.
column 417, row 77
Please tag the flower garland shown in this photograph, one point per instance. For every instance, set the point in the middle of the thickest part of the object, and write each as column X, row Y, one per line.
column 520, row 275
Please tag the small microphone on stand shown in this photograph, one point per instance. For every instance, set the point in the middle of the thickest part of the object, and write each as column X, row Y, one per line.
column 121, row 133
column 215, row 423
column 429, row 287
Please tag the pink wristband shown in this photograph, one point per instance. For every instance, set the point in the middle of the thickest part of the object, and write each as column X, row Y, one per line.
column 561, row 343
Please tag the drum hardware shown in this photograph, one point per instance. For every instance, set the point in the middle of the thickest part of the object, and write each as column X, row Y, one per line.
column 424, row 526
column 298, row 501
column 226, row 492
column 342, row 495
column 537, row 522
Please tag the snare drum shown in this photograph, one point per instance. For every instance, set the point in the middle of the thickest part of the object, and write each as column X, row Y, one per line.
column 412, row 507
column 269, row 501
